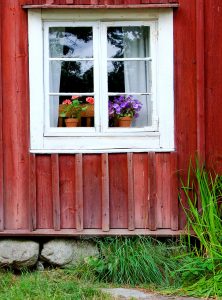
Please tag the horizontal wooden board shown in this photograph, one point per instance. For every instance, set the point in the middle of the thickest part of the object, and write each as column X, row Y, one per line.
column 106, row 6
column 85, row 3
column 94, row 232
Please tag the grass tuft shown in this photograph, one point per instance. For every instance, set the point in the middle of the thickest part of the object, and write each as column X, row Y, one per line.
column 201, row 269
column 131, row 261
column 52, row 284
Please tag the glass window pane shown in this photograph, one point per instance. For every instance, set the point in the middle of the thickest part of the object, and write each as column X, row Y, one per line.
column 136, row 110
column 71, row 76
column 128, row 41
column 129, row 76
column 74, row 42
column 62, row 108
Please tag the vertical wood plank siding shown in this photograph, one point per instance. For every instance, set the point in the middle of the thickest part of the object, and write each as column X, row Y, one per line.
column 213, row 86
column 185, row 87
column 44, row 201
column 152, row 192
column 1, row 137
column 55, row 191
column 32, row 192
column 105, row 192
column 201, row 134
column 79, row 191
column 131, row 202
column 108, row 192
column 15, row 114
column 67, row 191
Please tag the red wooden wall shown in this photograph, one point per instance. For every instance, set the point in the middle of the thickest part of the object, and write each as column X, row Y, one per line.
column 100, row 2
column 108, row 193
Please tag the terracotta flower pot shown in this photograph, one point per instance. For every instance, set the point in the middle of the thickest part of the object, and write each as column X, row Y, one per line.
column 71, row 122
column 125, row 121
column 89, row 112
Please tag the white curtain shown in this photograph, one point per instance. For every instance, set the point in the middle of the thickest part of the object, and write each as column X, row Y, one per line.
column 137, row 74
column 55, row 74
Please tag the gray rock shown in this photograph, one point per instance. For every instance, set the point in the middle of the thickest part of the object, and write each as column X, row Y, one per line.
column 40, row 266
column 123, row 293
column 57, row 252
column 18, row 253
column 67, row 253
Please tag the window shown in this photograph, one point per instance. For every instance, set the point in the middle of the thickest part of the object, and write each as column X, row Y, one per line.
column 97, row 67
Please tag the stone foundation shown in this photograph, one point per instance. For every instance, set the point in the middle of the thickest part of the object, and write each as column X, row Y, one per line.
column 20, row 254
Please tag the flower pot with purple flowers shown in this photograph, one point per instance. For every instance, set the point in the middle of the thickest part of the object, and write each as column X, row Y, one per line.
column 125, row 121
column 123, row 108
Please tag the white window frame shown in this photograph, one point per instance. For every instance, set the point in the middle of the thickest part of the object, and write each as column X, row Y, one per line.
column 158, row 137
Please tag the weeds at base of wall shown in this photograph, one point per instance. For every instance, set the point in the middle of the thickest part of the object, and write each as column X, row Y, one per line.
column 184, row 267
column 201, row 270
column 50, row 284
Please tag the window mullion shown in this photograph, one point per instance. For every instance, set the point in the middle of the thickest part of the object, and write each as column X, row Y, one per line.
column 96, row 40
column 103, row 78
column 154, row 50
column 46, row 79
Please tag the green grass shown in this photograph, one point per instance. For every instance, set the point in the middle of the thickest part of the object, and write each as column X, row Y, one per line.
column 205, row 220
column 132, row 261
column 48, row 285
column 201, row 269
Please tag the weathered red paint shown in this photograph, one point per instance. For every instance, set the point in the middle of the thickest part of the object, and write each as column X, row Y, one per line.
column 213, row 87
column 100, row 2
column 1, row 138
column 100, row 194
column 67, row 191
column 185, row 86
column 15, row 129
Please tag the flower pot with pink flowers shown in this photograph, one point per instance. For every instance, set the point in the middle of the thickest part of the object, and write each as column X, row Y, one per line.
column 89, row 112
column 71, row 110
column 123, row 109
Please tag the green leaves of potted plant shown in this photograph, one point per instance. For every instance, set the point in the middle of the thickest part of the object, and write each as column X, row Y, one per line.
column 72, row 111
column 124, row 108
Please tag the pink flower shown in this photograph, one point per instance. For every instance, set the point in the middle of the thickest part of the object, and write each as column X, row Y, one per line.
column 74, row 97
column 67, row 101
column 90, row 100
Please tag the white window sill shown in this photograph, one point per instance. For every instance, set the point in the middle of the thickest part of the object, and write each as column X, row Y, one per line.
column 98, row 151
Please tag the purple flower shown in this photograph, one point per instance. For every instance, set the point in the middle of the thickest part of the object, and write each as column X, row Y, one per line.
column 116, row 106
column 124, row 106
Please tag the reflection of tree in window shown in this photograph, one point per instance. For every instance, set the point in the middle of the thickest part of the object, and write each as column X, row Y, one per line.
column 76, row 77
column 73, row 42
column 115, row 38
column 125, row 42
column 120, row 39
column 116, row 77
column 66, row 41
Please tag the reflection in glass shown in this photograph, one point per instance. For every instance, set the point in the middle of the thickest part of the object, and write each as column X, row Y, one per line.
column 136, row 107
column 75, row 42
column 129, row 76
column 60, row 110
column 71, row 76
column 128, row 41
